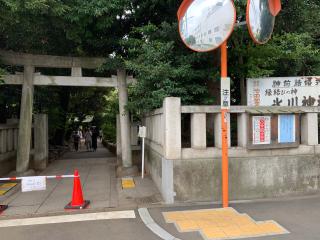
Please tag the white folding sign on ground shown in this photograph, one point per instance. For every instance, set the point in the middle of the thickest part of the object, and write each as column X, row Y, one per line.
column 284, row 91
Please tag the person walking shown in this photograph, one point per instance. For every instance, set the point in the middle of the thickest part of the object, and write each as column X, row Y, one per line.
column 80, row 138
column 101, row 134
column 95, row 135
column 76, row 139
column 88, row 139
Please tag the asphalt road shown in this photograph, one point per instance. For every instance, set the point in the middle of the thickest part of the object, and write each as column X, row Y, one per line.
column 301, row 217
column 120, row 229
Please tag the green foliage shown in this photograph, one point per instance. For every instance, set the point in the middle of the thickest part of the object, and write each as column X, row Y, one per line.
column 292, row 51
column 299, row 56
column 299, row 17
column 142, row 37
column 84, row 103
column 2, row 73
column 163, row 68
column 9, row 102
column 39, row 6
column 289, row 54
column 110, row 117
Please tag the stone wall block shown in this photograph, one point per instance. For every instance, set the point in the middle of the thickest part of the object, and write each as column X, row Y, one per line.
column 172, row 128
column 198, row 131
column 242, row 121
column 309, row 129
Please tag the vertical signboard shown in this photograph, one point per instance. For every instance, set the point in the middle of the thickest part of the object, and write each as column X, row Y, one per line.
column 261, row 130
column 143, row 134
column 286, row 128
column 225, row 93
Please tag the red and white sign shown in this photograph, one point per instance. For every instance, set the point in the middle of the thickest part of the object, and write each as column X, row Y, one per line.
column 261, row 130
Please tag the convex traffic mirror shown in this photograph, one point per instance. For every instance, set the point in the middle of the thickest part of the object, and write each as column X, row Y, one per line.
column 205, row 24
column 260, row 21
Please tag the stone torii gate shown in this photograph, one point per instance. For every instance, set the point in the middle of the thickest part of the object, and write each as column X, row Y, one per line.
column 29, row 79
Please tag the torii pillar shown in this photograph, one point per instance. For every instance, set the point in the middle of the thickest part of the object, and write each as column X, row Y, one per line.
column 25, row 123
column 126, row 152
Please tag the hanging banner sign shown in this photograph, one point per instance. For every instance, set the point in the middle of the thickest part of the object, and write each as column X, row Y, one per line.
column 225, row 93
column 261, row 130
column 284, row 91
column 29, row 184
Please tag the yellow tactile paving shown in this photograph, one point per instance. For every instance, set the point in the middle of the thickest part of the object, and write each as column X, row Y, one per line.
column 127, row 183
column 224, row 223
column 5, row 187
column 187, row 225
column 8, row 185
column 2, row 192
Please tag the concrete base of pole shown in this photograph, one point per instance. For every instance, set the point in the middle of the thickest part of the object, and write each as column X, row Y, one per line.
column 127, row 171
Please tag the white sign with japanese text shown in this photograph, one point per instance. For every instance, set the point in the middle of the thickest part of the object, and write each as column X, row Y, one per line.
column 225, row 93
column 142, row 132
column 284, row 91
column 29, row 184
column 261, row 130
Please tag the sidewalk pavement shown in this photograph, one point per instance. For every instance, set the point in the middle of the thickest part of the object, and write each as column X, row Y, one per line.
column 99, row 185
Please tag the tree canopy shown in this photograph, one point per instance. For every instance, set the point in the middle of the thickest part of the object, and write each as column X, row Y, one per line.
column 142, row 36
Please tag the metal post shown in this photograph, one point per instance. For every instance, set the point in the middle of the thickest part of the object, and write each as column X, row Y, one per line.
column 142, row 169
column 224, row 133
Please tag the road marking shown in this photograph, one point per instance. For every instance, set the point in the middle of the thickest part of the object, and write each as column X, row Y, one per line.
column 68, row 218
column 5, row 187
column 153, row 226
column 8, row 185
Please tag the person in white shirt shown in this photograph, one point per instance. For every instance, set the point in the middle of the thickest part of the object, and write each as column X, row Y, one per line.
column 88, row 139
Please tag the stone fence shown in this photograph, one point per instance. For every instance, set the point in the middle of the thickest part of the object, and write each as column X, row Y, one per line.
column 192, row 172
column 9, row 144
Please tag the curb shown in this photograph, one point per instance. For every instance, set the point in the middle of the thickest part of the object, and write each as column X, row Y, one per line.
column 153, row 226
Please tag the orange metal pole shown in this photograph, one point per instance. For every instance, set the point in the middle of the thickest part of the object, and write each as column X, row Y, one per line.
column 224, row 63
column 224, row 134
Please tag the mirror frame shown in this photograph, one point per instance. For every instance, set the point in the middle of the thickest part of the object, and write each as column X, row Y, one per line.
column 182, row 10
column 249, row 27
column 275, row 7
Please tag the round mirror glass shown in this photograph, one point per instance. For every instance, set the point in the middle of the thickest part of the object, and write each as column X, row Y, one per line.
column 205, row 24
column 260, row 21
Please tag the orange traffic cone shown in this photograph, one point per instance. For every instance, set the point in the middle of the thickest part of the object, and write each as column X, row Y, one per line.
column 77, row 201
